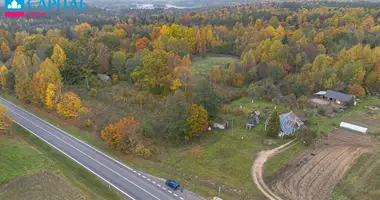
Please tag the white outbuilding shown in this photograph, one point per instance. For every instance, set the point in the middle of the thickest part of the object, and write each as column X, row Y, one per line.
column 353, row 127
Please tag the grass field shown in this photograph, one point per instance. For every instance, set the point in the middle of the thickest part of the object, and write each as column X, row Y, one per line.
column 23, row 154
column 203, row 65
column 39, row 185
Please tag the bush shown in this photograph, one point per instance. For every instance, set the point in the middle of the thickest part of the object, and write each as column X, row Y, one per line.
column 143, row 151
column 123, row 77
column 87, row 123
column 237, row 112
column 93, row 82
column 322, row 111
column 225, row 109
column 115, row 79
column 94, row 92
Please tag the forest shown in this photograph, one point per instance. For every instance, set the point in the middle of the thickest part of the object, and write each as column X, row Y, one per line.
column 128, row 76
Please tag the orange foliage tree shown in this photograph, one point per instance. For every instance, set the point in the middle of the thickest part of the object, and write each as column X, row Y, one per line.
column 117, row 134
column 142, row 43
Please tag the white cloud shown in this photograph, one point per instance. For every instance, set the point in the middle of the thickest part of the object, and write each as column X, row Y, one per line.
column 14, row 5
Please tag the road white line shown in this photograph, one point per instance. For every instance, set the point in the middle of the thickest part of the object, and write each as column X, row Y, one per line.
column 89, row 157
column 164, row 188
column 170, row 191
column 176, row 195
column 148, row 179
column 75, row 161
column 139, row 174
column 67, row 134
column 181, row 198
column 143, row 176
column 158, row 185
column 153, row 182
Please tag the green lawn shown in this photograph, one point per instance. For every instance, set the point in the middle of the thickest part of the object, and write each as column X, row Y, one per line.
column 203, row 65
column 21, row 154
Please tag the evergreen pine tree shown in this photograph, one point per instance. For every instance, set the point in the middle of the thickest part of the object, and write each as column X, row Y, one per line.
column 273, row 125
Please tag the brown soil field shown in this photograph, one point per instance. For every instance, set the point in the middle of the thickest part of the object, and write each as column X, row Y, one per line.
column 314, row 174
column 41, row 185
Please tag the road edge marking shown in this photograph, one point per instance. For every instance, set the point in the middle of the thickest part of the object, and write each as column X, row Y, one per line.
column 74, row 160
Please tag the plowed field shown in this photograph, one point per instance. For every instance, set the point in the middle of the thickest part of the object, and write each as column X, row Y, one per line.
column 314, row 174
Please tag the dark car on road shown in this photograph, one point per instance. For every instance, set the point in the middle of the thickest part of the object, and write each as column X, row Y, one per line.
column 172, row 184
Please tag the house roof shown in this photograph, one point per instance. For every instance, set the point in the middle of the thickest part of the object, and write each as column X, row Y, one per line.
column 288, row 121
column 320, row 93
column 338, row 96
column 335, row 95
column 103, row 77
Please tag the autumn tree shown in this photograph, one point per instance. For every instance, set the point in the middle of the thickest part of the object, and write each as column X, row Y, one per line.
column 5, row 120
column 273, row 126
column 197, row 121
column 48, row 74
column 155, row 71
column 59, row 56
column 356, row 90
column 142, row 43
column 70, row 105
column 122, row 135
column 3, row 82
column 5, row 51
column 50, row 96
column 22, row 63
column 215, row 74
column 81, row 28
column 118, row 62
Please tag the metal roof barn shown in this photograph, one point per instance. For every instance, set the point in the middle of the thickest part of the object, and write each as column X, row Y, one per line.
column 353, row 127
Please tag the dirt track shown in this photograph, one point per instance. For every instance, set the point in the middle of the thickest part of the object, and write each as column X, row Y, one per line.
column 257, row 170
column 314, row 174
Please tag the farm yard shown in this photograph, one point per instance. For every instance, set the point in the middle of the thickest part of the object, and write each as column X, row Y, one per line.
column 325, row 172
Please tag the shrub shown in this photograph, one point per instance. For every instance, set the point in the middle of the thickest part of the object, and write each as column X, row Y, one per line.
column 123, row 77
column 87, row 123
column 115, row 79
column 143, row 151
column 225, row 109
column 237, row 112
column 94, row 92
column 322, row 111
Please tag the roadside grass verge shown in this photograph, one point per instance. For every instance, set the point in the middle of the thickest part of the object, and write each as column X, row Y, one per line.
column 22, row 153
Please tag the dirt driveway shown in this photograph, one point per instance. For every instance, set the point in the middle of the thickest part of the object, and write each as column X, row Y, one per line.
column 314, row 174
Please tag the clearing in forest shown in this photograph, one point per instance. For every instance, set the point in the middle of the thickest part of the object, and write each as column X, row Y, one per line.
column 203, row 65
column 314, row 173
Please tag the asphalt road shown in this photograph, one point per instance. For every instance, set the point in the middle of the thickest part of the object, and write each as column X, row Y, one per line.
column 128, row 181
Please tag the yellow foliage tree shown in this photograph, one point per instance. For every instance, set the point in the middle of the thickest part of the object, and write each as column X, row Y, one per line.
column 3, row 80
column 197, row 121
column 59, row 56
column 176, row 83
column 5, row 120
column 50, row 96
column 5, row 50
column 319, row 38
column 70, row 105
column 82, row 27
column 48, row 73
